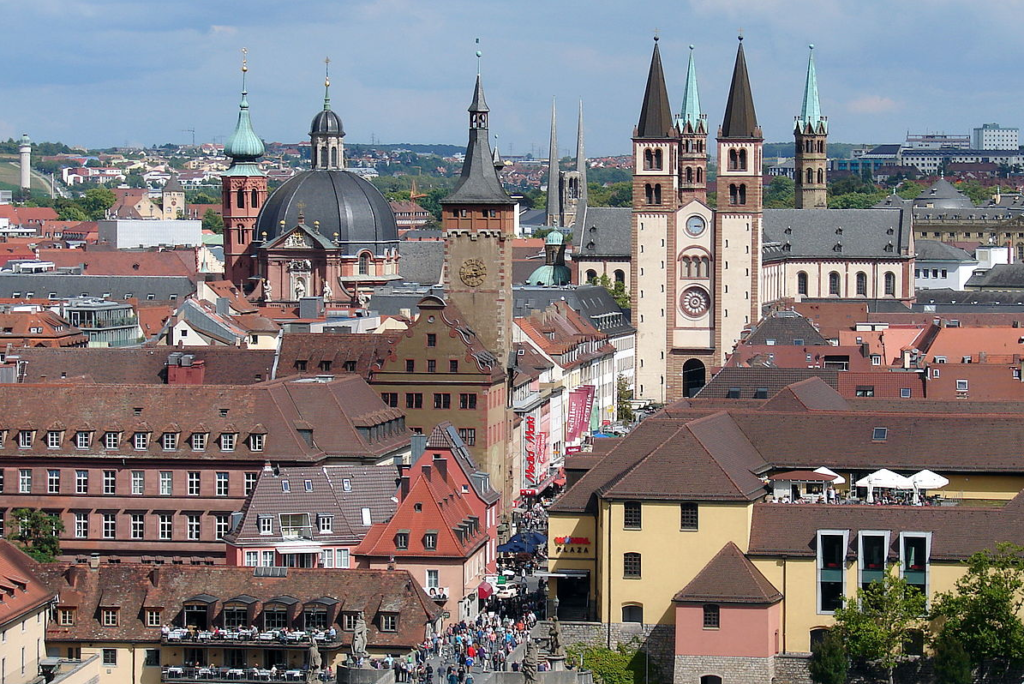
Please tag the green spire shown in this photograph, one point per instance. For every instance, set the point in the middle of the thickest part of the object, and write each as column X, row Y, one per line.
column 244, row 146
column 810, row 111
column 690, row 113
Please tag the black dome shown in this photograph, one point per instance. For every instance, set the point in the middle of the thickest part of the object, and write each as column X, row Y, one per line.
column 342, row 202
column 326, row 121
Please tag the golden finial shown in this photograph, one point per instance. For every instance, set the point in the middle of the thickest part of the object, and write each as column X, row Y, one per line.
column 327, row 71
column 245, row 59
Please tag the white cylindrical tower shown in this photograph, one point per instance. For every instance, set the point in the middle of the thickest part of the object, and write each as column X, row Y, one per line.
column 25, row 152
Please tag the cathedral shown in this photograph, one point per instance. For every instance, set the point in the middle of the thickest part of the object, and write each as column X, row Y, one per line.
column 700, row 275
column 324, row 233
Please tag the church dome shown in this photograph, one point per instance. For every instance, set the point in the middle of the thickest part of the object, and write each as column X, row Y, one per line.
column 555, row 237
column 557, row 274
column 326, row 122
column 341, row 202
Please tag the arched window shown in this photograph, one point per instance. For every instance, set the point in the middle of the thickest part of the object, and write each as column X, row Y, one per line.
column 658, row 164
column 743, row 160
column 240, row 198
column 818, row 635
column 591, row 275
column 733, row 157
column 649, row 193
column 710, row 679
column 631, row 564
column 833, row 283
column 334, row 156
column 890, row 284
column 743, row 193
column 254, row 199
column 241, row 233
column 632, row 612
column 821, row 176
column 648, row 159
column 808, row 146
column 705, row 267
column 364, row 264
column 689, row 146
column 620, row 276
column 801, row 283
column 810, row 176
column 821, row 146
column 700, row 175
column 689, row 174
column 862, row 285
column 657, row 193
column 734, row 194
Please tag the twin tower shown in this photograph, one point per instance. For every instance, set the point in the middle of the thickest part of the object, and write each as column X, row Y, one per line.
column 696, row 271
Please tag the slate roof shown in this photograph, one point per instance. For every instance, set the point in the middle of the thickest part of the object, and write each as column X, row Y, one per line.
column 339, row 491
column 168, row 587
column 602, row 232
column 593, row 302
column 933, row 250
column 421, row 261
column 729, row 578
column 655, row 114
column 836, row 234
column 478, row 183
column 222, row 365
column 785, row 328
column 163, row 288
column 24, row 590
column 943, row 195
column 999, row 277
column 446, row 436
column 740, row 119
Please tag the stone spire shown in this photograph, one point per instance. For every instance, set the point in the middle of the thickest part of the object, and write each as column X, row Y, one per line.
column 810, row 110
column 581, row 160
column 740, row 118
column 656, row 114
column 690, row 114
column 244, row 146
column 554, row 175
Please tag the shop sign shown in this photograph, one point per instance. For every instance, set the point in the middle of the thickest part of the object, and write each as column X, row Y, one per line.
column 579, row 545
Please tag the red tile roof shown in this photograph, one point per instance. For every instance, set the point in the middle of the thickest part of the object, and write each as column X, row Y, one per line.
column 25, row 592
column 729, row 578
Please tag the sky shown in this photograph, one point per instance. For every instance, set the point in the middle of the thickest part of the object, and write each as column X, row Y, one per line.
column 104, row 73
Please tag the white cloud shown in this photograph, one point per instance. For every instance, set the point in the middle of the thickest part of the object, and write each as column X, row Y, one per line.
column 873, row 104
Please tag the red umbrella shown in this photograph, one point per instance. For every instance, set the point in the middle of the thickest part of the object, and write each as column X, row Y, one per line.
column 485, row 590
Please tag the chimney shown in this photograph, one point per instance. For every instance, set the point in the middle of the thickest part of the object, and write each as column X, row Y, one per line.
column 403, row 488
column 418, row 443
column 223, row 306
column 154, row 577
column 94, row 561
column 442, row 468
column 426, row 467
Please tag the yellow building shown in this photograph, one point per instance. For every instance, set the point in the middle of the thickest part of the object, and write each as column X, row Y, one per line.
column 672, row 533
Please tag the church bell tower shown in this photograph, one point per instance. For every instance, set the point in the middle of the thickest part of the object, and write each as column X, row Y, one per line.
column 811, row 143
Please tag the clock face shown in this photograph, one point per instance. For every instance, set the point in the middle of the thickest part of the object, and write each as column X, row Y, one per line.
column 695, row 225
column 695, row 302
column 473, row 272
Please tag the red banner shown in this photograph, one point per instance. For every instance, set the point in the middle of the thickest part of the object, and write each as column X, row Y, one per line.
column 581, row 403
column 531, row 451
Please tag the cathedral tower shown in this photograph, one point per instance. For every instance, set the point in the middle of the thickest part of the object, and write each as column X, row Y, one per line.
column 573, row 184
column 693, row 130
column 811, row 134
column 553, row 209
column 478, row 223
column 738, row 219
column 653, row 229
column 243, row 194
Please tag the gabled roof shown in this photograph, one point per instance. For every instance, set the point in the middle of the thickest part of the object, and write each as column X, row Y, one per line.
column 27, row 591
column 836, row 234
column 810, row 394
column 602, row 232
column 784, row 328
column 729, row 578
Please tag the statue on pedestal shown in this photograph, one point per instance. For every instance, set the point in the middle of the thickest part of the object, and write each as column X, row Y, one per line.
column 555, row 646
column 315, row 663
column 529, row 666
column 359, row 640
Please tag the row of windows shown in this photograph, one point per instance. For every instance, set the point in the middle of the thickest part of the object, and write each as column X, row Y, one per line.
column 923, row 273
column 835, row 284
column 140, row 441
column 810, row 145
column 410, row 364
column 873, row 559
column 442, row 400
column 108, row 478
column 632, row 515
column 808, row 178
column 161, row 526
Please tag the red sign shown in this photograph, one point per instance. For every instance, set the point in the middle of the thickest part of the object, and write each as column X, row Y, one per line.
column 581, row 403
column 572, row 541
column 570, row 450
column 531, row 450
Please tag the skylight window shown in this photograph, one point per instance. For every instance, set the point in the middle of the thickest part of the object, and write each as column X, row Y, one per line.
column 879, row 434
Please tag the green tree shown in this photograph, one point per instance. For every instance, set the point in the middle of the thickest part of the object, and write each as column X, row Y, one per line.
column 213, row 221
column 951, row 662
column 72, row 212
column 780, row 193
column 625, row 665
column 829, row 662
column 35, row 533
column 909, row 189
column 881, row 620
column 978, row 193
column 201, row 197
column 96, row 202
column 624, row 410
column 982, row 612
column 855, row 200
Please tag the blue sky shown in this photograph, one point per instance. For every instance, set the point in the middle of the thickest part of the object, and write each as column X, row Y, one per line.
column 110, row 72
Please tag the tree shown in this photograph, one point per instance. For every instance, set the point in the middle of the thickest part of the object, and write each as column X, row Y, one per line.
column 35, row 533
column 829, row 662
column 213, row 221
column 780, row 193
column 883, row 618
column 627, row 664
column 96, row 202
column 617, row 290
column 624, row 411
column 72, row 212
column 982, row 611
column 951, row 662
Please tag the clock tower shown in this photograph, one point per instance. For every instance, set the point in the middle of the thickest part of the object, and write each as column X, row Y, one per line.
column 478, row 222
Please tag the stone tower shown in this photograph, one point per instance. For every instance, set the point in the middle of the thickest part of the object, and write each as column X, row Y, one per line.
column 738, row 218
column 653, row 229
column 811, row 138
column 25, row 161
column 243, row 194
column 693, row 132
column 173, row 198
column 573, row 184
column 478, row 223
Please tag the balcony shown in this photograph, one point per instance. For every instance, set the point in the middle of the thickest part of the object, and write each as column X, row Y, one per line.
column 245, row 637
column 296, row 532
column 174, row 673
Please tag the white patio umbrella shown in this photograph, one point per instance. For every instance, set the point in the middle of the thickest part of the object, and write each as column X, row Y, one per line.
column 926, row 479
column 884, row 478
column 839, row 479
